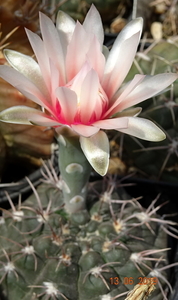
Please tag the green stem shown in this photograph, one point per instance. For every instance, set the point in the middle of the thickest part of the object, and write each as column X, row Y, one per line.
column 75, row 172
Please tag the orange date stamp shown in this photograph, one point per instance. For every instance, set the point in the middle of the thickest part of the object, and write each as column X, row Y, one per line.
column 130, row 280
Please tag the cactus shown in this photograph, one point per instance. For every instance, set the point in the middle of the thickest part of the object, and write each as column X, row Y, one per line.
column 156, row 160
column 97, row 254
column 75, row 171
column 62, row 242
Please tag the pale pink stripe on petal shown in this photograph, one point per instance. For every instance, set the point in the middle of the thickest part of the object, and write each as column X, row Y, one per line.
column 53, row 45
column 121, row 56
column 114, row 123
column 68, row 103
column 88, row 96
column 43, row 120
column 76, row 83
column 34, row 98
column 123, row 94
column 27, row 66
column 143, row 129
column 125, row 55
column 54, row 83
column 76, row 52
column 93, row 24
column 129, row 30
column 96, row 57
column 41, row 55
column 84, row 130
column 23, row 84
column 149, row 87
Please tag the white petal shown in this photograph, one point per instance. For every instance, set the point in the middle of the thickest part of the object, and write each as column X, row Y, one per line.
column 96, row 58
column 68, row 102
column 144, row 129
column 27, row 66
column 53, row 83
column 76, row 83
column 131, row 112
column 96, row 150
column 53, row 45
column 105, row 52
column 149, row 87
column 121, row 56
column 76, row 58
column 24, row 85
column 48, row 68
column 22, row 115
column 132, row 28
column 114, row 123
column 65, row 25
column 84, row 130
column 93, row 24
column 122, row 94
column 88, row 96
column 41, row 55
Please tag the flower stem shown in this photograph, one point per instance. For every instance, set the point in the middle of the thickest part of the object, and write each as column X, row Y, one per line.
column 75, row 172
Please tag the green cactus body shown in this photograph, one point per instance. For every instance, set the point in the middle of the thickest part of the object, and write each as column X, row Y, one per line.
column 75, row 172
column 96, row 254
column 157, row 160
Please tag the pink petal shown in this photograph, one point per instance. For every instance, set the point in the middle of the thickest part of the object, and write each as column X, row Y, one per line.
column 143, row 129
column 88, row 96
column 149, row 87
column 28, row 67
column 121, row 56
column 76, row 83
column 130, row 30
column 41, row 55
column 24, row 85
column 68, row 103
column 96, row 57
column 123, row 94
column 43, row 120
column 115, row 123
column 126, row 54
column 53, row 45
column 65, row 25
column 101, row 104
column 84, row 130
column 54, row 83
column 76, row 52
column 93, row 24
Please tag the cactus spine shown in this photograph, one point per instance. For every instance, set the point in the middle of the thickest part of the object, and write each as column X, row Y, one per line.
column 99, row 254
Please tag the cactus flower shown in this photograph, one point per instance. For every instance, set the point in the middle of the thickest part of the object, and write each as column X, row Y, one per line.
column 78, row 83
